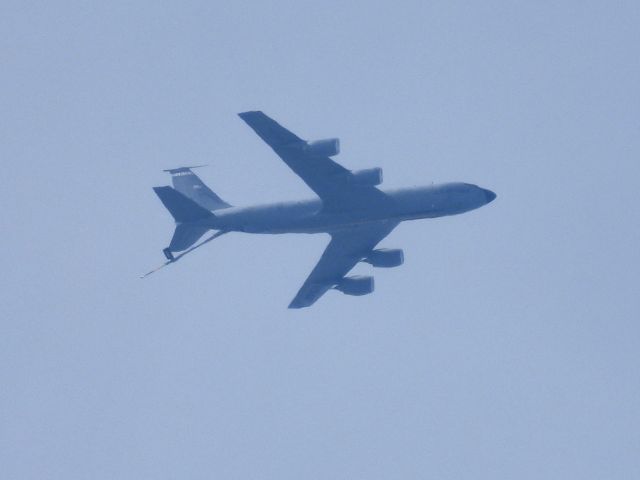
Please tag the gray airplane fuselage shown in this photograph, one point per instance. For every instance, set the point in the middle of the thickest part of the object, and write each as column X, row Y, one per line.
column 307, row 216
column 349, row 206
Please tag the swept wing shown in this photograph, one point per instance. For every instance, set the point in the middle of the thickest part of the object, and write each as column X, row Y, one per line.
column 334, row 184
column 346, row 248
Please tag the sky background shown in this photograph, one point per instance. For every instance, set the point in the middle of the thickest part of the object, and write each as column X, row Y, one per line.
column 507, row 345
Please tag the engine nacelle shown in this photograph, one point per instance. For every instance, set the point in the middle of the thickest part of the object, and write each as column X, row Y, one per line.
column 369, row 177
column 355, row 285
column 385, row 257
column 324, row 148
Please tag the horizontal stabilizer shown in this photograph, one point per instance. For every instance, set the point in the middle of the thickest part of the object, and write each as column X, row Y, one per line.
column 181, row 208
column 186, row 234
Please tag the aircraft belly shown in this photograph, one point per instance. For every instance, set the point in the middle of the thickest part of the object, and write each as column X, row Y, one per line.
column 349, row 206
column 329, row 223
column 304, row 217
column 308, row 224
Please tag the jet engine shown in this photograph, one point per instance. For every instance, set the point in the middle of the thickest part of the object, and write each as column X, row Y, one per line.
column 369, row 177
column 385, row 257
column 324, row 148
column 355, row 285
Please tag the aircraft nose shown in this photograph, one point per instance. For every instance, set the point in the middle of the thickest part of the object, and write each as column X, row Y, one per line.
column 489, row 195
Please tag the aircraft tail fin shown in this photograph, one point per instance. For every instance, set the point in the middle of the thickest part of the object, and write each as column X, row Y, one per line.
column 181, row 208
column 189, row 184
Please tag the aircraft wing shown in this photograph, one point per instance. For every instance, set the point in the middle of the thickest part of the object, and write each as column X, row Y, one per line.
column 346, row 248
column 329, row 180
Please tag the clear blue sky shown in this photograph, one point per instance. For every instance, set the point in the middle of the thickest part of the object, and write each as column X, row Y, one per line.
column 505, row 347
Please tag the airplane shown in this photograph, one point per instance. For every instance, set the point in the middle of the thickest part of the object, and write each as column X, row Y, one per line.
column 349, row 207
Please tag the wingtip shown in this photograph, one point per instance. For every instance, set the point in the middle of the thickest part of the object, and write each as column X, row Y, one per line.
column 297, row 304
column 293, row 305
column 250, row 113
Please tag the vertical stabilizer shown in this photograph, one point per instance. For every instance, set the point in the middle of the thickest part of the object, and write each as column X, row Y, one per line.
column 189, row 184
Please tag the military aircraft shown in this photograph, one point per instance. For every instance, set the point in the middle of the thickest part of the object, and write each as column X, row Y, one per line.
column 349, row 207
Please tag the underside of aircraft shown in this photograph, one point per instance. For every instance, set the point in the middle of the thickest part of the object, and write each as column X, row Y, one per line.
column 349, row 207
